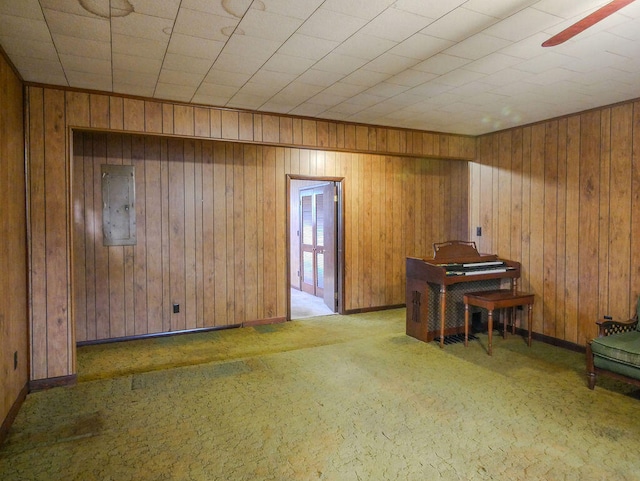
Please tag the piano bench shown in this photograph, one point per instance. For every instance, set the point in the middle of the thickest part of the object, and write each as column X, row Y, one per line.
column 498, row 299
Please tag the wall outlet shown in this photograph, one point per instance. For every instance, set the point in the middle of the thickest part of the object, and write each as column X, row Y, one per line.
column 176, row 308
column 479, row 231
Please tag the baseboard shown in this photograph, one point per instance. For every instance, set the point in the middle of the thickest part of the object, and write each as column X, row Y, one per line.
column 262, row 322
column 158, row 334
column 13, row 412
column 373, row 309
column 42, row 384
column 554, row 341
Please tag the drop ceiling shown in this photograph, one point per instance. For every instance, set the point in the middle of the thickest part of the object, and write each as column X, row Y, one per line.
column 467, row 67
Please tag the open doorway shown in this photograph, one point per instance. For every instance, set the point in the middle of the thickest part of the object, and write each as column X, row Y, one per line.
column 315, row 246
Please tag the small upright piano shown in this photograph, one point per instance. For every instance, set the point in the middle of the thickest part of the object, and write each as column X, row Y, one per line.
column 436, row 286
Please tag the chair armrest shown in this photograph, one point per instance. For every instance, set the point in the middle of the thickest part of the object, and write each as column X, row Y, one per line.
column 607, row 326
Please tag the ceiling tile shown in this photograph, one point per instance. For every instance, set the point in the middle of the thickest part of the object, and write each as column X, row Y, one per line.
column 366, row 9
column 234, row 63
column 26, row 28
column 294, row 94
column 226, row 8
column 343, row 64
column 229, row 79
column 186, row 64
column 181, row 44
column 477, row 46
column 211, row 89
column 29, row 9
column 330, row 25
column 365, row 46
column 320, row 77
column 523, row 24
column 505, row 76
column 204, row 25
column 421, row 47
column 396, row 25
column 135, row 77
column 543, row 62
column 492, row 63
column 29, row 48
column 288, row 64
column 84, row 64
column 498, row 8
column 81, row 46
column 459, row 24
column 33, row 66
column 247, row 101
column 300, row 9
column 164, row 9
column 92, row 9
column 429, row 8
column 328, row 99
column 178, row 77
column 458, row 77
column 92, row 28
column 441, row 64
column 88, row 80
column 386, row 90
column 182, row 93
column 138, row 47
column 389, row 63
column 411, row 78
column 365, row 78
column 272, row 80
column 267, row 25
column 138, row 64
column 143, row 26
column 307, row 47
column 245, row 46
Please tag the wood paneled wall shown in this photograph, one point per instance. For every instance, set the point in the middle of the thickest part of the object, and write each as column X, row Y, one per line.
column 212, row 224
column 563, row 197
column 397, row 203
column 13, row 254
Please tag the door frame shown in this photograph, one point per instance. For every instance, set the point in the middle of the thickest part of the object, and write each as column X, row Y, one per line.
column 340, row 273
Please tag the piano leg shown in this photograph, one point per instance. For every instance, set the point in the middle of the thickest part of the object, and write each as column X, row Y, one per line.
column 466, row 325
column 490, row 331
column 443, row 306
column 529, row 321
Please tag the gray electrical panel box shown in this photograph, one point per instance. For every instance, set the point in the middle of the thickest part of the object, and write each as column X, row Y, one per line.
column 118, row 205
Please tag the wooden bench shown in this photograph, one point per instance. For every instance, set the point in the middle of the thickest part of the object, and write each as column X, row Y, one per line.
column 498, row 299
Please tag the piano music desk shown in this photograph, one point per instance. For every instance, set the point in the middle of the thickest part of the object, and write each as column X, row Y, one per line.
column 498, row 299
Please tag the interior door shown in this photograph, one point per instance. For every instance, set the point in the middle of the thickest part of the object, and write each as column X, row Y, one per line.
column 318, row 242
column 307, row 242
column 329, row 243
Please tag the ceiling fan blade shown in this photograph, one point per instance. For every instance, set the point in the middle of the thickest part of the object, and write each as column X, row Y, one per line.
column 586, row 22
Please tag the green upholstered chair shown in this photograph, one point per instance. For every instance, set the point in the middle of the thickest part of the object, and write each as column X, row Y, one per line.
column 616, row 351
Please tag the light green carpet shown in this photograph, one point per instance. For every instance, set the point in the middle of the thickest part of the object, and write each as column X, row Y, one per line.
column 331, row 398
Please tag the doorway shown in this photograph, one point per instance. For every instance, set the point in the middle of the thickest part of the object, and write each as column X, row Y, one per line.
column 315, row 246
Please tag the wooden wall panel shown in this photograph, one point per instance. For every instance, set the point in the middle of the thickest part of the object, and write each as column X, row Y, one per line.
column 574, row 206
column 250, row 239
column 184, row 247
column 13, row 255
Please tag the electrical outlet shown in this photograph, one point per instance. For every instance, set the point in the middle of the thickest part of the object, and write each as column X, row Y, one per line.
column 479, row 231
column 176, row 308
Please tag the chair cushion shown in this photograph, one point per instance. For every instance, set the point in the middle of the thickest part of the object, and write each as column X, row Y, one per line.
column 623, row 347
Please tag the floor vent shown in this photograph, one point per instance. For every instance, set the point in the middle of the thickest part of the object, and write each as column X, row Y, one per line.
column 455, row 339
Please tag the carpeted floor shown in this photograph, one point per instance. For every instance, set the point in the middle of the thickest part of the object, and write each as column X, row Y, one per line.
column 333, row 398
